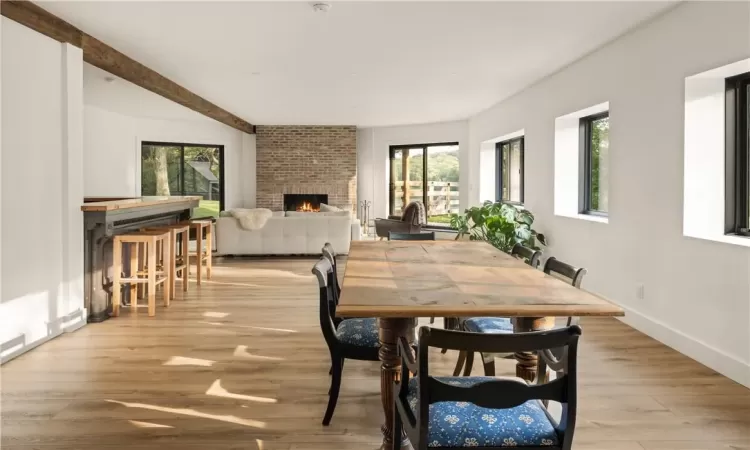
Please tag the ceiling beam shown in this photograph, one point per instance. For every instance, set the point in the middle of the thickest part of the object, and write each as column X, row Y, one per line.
column 101, row 55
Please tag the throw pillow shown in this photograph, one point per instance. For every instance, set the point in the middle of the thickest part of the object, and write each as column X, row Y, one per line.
column 329, row 208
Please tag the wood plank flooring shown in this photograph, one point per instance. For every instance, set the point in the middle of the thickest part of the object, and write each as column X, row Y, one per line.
column 240, row 364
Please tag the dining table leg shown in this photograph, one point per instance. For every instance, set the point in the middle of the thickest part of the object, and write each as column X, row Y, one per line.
column 526, row 362
column 390, row 330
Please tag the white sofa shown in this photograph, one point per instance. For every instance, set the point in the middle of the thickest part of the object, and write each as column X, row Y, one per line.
column 299, row 234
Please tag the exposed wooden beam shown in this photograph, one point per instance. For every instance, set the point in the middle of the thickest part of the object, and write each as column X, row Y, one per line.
column 101, row 55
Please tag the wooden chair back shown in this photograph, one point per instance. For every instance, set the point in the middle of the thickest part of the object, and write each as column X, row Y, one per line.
column 531, row 256
column 323, row 271
column 557, row 268
column 494, row 393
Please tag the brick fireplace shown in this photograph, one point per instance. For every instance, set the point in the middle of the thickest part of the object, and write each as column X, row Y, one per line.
column 295, row 159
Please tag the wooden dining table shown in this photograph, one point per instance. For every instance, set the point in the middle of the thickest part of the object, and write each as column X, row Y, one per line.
column 400, row 281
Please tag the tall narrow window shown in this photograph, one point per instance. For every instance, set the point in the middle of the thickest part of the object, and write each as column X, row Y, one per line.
column 595, row 159
column 738, row 154
column 509, row 171
column 185, row 169
column 426, row 173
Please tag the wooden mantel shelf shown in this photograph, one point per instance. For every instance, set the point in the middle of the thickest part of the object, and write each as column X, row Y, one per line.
column 129, row 203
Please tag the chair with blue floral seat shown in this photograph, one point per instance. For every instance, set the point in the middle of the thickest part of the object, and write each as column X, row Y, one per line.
column 493, row 324
column 351, row 339
column 486, row 412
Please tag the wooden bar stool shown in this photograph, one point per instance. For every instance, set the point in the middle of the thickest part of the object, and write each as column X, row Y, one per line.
column 179, row 236
column 201, row 254
column 157, row 248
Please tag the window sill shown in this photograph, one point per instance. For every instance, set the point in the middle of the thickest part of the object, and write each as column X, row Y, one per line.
column 589, row 217
column 733, row 239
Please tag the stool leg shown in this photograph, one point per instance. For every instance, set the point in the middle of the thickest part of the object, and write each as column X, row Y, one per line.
column 151, row 251
column 199, row 253
column 134, row 274
column 173, row 263
column 142, row 252
column 166, row 248
column 209, row 250
column 185, row 261
column 116, row 270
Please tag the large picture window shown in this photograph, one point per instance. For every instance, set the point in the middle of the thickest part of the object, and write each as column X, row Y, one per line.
column 427, row 173
column 509, row 171
column 185, row 169
column 595, row 164
column 738, row 154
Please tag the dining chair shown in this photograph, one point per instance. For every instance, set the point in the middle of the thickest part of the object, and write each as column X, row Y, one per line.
column 493, row 324
column 330, row 254
column 430, row 236
column 486, row 412
column 351, row 339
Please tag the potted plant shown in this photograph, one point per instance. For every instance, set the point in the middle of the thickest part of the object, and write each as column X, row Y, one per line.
column 501, row 224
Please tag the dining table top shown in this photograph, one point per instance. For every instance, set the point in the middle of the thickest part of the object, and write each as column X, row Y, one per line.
column 446, row 278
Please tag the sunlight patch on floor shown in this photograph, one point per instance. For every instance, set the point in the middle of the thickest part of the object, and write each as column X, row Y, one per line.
column 194, row 413
column 251, row 327
column 241, row 352
column 225, row 283
column 148, row 424
column 215, row 314
column 217, row 391
column 184, row 361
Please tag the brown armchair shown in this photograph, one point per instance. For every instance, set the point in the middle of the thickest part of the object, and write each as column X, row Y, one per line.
column 411, row 221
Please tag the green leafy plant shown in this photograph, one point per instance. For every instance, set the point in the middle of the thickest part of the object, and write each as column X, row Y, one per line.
column 501, row 224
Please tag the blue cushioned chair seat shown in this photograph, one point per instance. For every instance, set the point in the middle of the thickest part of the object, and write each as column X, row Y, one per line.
column 488, row 325
column 463, row 424
column 359, row 332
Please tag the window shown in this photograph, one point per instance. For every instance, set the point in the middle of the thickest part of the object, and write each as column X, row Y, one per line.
column 428, row 173
column 185, row 169
column 509, row 158
column 738, row 154
column 594, row 132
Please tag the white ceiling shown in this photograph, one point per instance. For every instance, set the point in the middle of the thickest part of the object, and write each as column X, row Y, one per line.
column 362, row 63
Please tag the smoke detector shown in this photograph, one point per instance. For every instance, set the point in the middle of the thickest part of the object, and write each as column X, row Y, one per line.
column 321, row 7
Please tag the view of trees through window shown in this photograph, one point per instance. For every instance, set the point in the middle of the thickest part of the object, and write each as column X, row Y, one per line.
column 509, row 174
column 184, row 169
column 597, row 158
column 437, row 187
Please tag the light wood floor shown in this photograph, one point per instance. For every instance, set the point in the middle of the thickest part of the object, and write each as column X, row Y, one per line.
column 240, row 364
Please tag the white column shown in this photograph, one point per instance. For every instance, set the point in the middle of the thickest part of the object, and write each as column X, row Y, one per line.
column 248, row 170
column 74, row 314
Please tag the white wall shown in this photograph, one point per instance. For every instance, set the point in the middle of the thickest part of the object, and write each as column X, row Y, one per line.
column 697, row 293
column 112, row 148
column 372, row 158
column 42, row 189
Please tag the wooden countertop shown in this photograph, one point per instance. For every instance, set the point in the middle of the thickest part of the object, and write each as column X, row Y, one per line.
column 136, row 202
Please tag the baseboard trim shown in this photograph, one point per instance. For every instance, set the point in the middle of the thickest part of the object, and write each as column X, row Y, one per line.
column 65, row 327
column 709, row 356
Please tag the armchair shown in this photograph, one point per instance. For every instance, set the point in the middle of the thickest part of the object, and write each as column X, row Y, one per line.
column 411, row 221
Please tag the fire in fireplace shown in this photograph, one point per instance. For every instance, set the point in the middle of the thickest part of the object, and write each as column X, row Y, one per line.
column 304, row 202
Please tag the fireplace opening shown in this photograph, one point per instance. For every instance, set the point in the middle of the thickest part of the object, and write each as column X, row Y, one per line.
column 304, row 202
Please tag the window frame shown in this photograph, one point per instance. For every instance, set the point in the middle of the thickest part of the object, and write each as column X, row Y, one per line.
column 182, row 146
column 499, row 169
column 737, row 190
column 392, row 149
column 585, row 164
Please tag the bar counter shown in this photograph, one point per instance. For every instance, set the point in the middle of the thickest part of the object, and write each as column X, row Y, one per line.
column 105, row 217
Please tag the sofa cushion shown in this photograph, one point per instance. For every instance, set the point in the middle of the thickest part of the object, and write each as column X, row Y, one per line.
column 500, row 325
column 463, row 424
